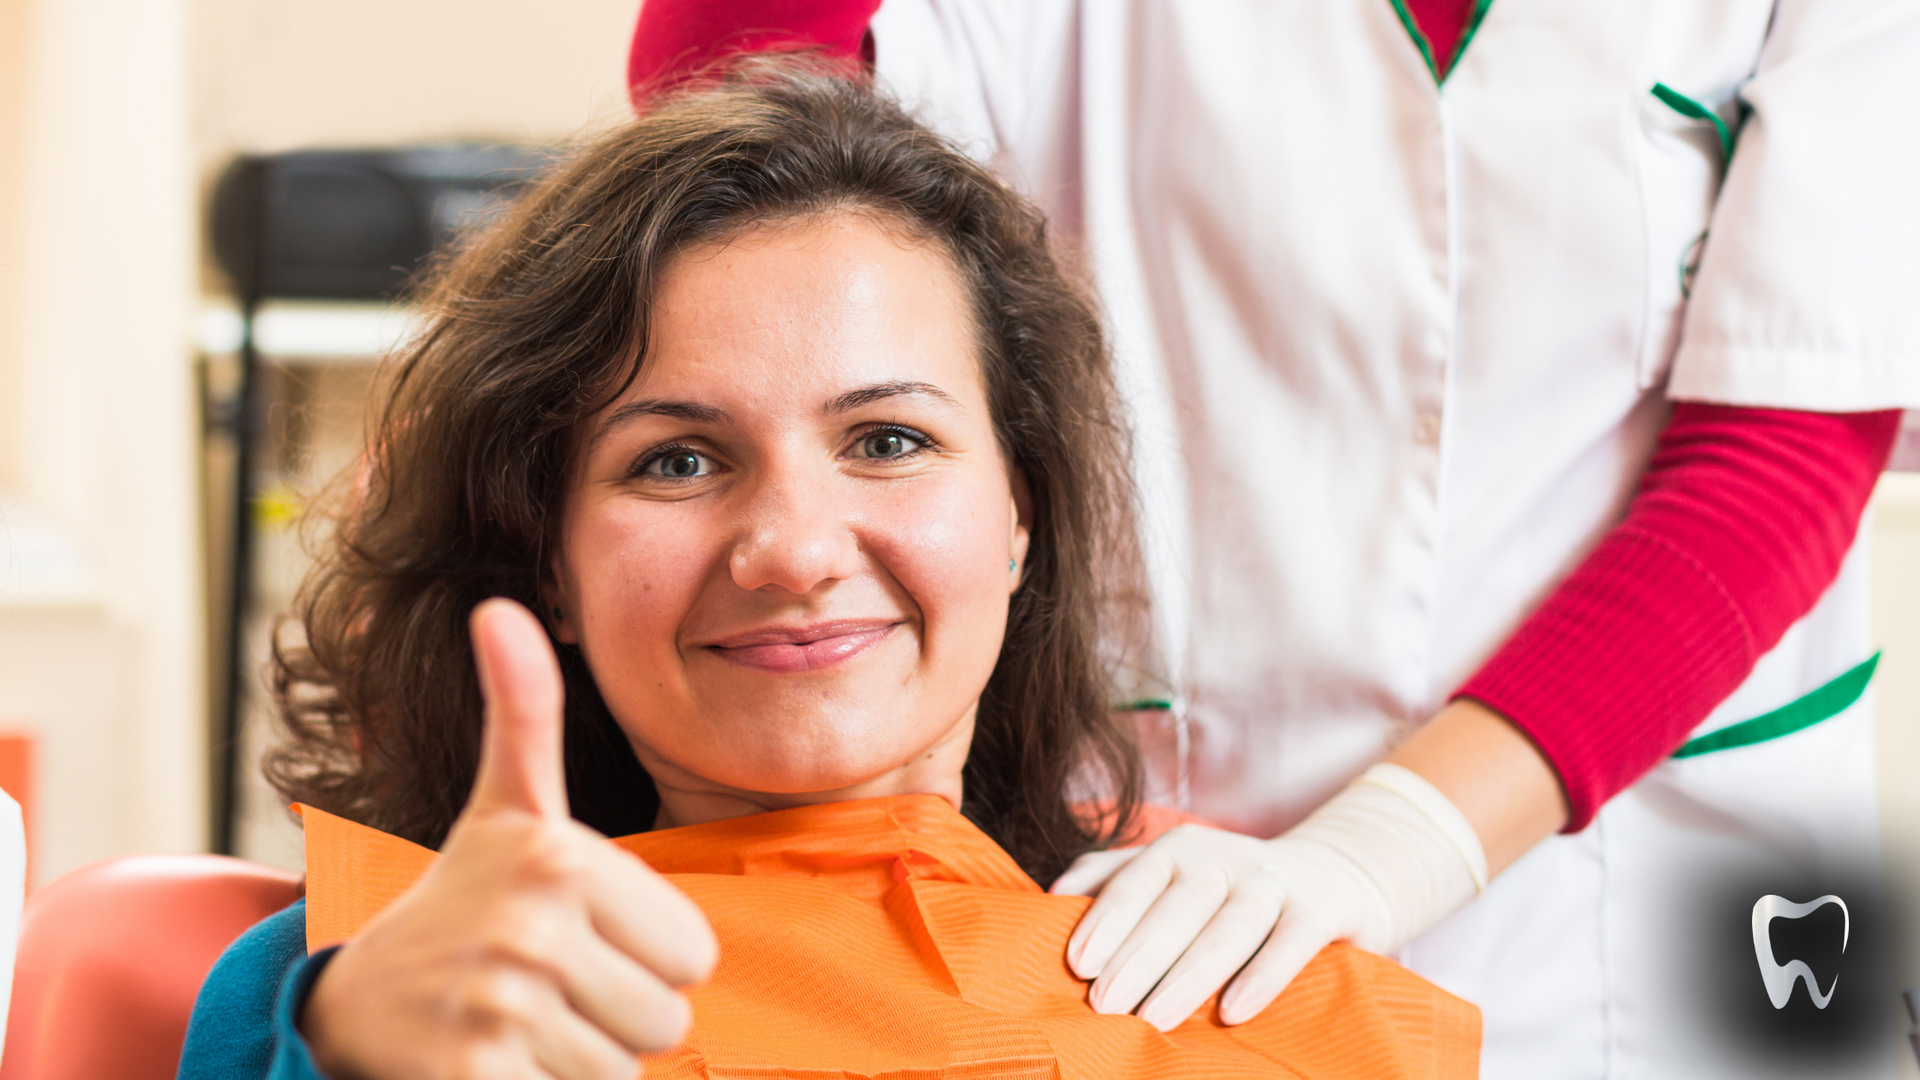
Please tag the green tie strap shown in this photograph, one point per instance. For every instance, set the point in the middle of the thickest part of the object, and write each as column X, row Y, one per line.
column 1693, row 110
column 1828, row 701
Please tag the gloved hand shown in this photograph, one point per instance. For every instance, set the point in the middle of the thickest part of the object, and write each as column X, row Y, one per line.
column 1377, row 864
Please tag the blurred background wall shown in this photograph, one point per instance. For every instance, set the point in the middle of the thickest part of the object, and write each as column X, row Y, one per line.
column 100, row 598
column 115, row 116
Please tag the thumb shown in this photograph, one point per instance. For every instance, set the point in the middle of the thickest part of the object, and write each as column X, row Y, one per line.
column 520, row 760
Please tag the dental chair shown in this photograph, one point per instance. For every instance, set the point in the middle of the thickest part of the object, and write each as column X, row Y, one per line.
column 112, row 955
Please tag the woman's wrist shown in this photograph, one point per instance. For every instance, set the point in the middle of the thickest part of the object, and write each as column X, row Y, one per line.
column 1412, row 856
column 295, row 1055
column 308, row 1016
column 1492, row 774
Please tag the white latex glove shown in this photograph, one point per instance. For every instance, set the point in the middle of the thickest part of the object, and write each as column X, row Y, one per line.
column 1377, row 864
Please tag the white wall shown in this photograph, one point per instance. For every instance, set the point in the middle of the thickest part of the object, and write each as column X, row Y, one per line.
column 280, row 74
column 100, row 623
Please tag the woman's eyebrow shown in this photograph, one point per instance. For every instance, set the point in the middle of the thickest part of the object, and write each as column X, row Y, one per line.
column 679, row 410
column 867, row 395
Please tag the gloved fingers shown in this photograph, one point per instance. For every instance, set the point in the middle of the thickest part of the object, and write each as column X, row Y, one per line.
column 1090, row 872
column 1124, row 900
column 1160, row 938
column 1296, row 940
column 1236, row 933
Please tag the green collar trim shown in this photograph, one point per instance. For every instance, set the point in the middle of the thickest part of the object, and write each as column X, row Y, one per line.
column 1826, row 702
column 1419, row 39
column 1426, row 47
column 1473, row 27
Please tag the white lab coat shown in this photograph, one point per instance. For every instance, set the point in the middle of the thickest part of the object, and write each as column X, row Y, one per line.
column 1396, row 355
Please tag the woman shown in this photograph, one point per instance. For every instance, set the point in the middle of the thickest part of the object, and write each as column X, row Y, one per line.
column 1466, row 446
column 781, row 414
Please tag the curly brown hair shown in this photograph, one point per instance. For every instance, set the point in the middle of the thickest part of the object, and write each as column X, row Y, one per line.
column 541, row 320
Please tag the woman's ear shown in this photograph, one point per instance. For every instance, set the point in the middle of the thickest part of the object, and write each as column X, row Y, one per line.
column 553, row 606
column 1021, row 529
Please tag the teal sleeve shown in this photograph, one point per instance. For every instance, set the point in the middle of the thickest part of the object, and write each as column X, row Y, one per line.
column 243, row 1021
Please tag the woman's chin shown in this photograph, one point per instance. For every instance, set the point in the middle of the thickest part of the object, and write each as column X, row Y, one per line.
column 793, row 767
column 787, row 749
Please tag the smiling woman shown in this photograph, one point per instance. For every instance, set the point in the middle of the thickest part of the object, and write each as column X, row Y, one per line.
column 783, row 415
column 776, row 331
column 788, row 550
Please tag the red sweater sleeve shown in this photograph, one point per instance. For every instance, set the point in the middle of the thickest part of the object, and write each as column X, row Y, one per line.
column 675, row 38
column 1739, row 525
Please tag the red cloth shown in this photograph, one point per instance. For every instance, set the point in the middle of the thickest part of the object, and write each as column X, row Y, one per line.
column 674, row 38
column 1441, row 22
column 1740, row 524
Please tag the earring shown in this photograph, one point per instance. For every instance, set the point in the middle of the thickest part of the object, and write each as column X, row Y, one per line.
column 557, row 617
column 1010, row 565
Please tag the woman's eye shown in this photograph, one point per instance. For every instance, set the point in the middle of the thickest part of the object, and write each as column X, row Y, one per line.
column 679, row 465
column 885, row 444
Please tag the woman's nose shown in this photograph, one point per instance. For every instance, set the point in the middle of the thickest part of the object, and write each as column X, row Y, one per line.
column 795, row 535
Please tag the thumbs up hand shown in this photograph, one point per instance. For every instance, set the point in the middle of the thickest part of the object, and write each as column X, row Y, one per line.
column 532, row 948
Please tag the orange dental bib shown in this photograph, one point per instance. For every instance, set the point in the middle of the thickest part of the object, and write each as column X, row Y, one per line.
column 891, row 938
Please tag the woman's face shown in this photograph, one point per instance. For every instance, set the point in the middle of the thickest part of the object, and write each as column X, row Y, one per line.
column 785, row 548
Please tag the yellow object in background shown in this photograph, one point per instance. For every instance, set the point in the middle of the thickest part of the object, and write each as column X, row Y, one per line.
column 278, row 508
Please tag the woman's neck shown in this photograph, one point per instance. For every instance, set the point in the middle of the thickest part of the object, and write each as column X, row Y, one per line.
column 688, row 799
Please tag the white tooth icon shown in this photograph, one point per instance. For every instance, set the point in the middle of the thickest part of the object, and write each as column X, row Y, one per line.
column 1778, row 977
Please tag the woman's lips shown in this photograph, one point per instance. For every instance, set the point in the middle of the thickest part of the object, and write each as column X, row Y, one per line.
column 808, row 648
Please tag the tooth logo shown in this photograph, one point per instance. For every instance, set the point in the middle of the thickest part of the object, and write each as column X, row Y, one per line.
column 1778, row 977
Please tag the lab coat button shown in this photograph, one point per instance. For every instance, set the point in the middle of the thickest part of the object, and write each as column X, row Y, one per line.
column 1426, row 430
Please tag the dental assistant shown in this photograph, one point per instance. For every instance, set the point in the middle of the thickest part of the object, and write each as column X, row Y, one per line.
column 1509, row 380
